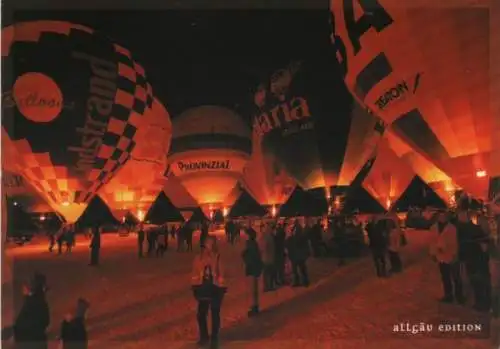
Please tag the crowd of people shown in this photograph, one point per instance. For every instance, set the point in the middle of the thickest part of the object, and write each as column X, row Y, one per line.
column 276, row 254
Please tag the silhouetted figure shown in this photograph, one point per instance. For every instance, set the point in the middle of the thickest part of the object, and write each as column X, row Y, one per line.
column 70, row 238
column 378, row 245
column 61, row 236
column 151, row 237
column 474, row 245
column 298, row 251
column 73, row 333
column 140, row 240
column 203, row 235
column 34, row 317
column 279, row 255
column 52, row 241
column 161, row 243
column 95, row 246
column 267, row 249
column 188, row 233
column 181, row 237
column 253, row 268
column 340, row 238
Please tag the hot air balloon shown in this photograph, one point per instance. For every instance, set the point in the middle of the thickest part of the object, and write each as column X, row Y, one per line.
column 72, row 102
column 441, row 183
column 265, row 179
column 318, row 144
column 137, row 185
column 210, row 148
column 389, row 176
column 413, row 64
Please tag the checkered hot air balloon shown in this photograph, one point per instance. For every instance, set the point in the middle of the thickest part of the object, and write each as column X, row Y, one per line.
column 72, row 102
column 424, row 66
column 137, row 185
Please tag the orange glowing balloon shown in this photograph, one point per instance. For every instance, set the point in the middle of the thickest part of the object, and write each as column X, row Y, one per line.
column 210, row 147
column 389, row 176
column 137, row 185
column 424, row 67
column 71, row 105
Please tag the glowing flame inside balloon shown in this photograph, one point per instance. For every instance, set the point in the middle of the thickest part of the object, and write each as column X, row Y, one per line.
column 481, row 173
column 42, row 218
column 388, row 203
column 337, row 203
column 140, row 215
column 65, row 203
column 15, row 203
column 274, row 211
column 225, row 211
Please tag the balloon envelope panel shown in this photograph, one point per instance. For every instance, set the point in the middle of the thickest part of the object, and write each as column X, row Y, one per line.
column 389, row 176
column 73, row 101
column 414, row 65
column 441, row 183
column 264, row 178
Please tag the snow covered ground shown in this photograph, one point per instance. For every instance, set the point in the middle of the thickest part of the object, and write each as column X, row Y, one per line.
column 148, row 303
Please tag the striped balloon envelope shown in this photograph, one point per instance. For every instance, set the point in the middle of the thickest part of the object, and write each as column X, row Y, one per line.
column 137, row 184
column 424, row 67
column 72, row 102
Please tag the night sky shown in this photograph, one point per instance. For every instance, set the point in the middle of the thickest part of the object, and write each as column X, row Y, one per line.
column 218, row 57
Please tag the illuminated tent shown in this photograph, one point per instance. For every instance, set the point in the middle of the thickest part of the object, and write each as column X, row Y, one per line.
column 318, row 144
column 265, row 179
column 389, row 176
column 424, row 66
column 72, row 102
column 426, row 170
column 179, row 196
column 137, row 185
column 210, row 147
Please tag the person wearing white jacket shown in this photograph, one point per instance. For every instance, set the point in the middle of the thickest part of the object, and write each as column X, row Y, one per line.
column 444, row 249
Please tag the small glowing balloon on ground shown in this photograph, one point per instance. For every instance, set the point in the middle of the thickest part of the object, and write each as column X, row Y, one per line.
column 85, row 122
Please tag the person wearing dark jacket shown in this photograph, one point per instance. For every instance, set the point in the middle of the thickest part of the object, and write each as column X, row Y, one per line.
column 73, row 333
column 253, row 268
column 340, row 238
column 95, row 246
column 378, row 245
column 298, row 251
column 34, row 317
column 203, row 236
column 473, row 250
column 188, row 235
column 279, row 255
column 140, row 240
